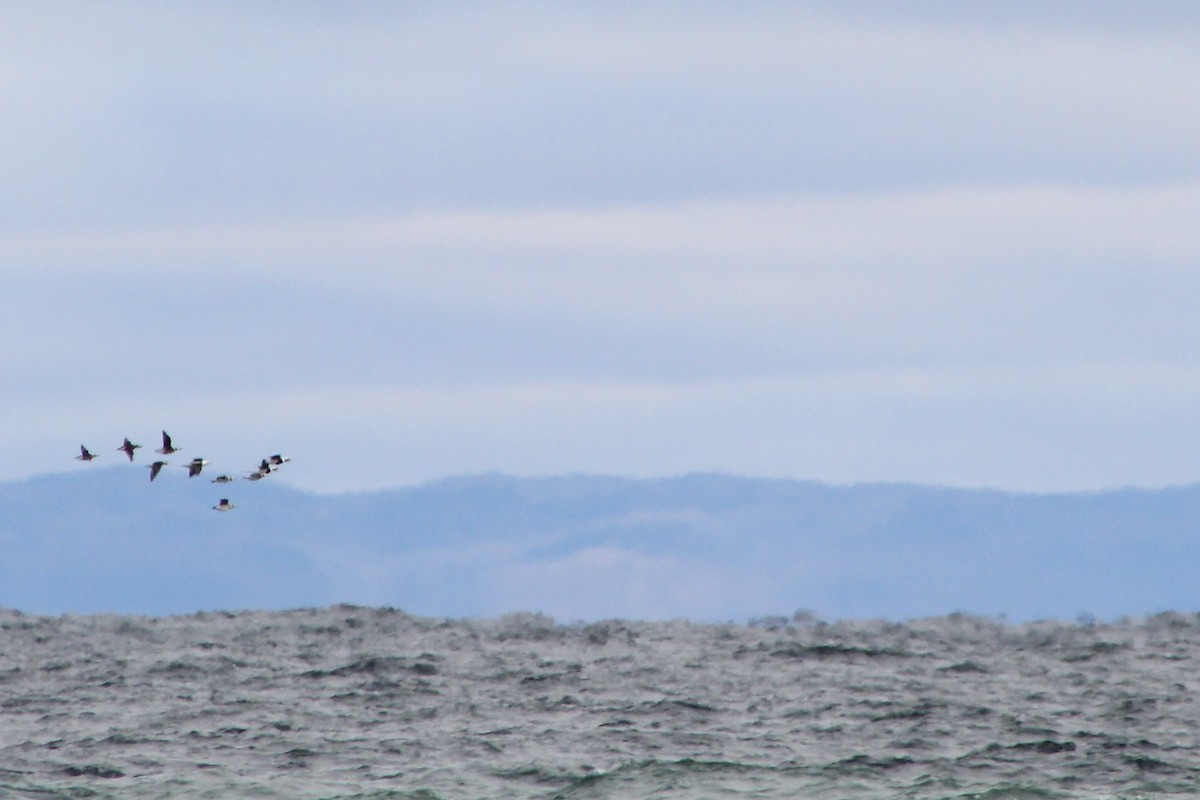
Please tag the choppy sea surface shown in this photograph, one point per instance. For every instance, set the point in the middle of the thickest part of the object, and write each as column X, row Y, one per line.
column 350, row 702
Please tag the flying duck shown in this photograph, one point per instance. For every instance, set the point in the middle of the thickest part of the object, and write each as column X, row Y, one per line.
column 224, row 505
column 85, row 454
column 166, row 449
column 277, row 459
column 195, row 467
column 128, row 448
column 223, row 479
column 155, row 468
column 264, row 469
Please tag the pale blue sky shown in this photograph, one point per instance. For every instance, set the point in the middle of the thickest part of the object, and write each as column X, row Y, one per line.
column 935, row 242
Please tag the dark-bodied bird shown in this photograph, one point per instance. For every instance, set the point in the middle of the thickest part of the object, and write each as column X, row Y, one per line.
column 277, row 459
column 128, row 448
column 85, row 454
column 167, row 448
column 156, row 468
column 223, row 479
column 224, row 505
column 264, row 469
column 195, row 467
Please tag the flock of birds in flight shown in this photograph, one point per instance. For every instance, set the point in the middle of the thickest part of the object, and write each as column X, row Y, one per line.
column 194, row 467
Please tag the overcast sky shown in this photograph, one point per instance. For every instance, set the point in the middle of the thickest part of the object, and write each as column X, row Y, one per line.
column 946, row 242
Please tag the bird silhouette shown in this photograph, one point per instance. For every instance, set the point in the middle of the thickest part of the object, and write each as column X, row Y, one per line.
column 167, row 447
column 128, row 447
column 195, row 467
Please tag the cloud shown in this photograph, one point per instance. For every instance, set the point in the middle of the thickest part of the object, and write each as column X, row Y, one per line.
column 893, row 335
column 146, row 113
column 793, row 240
column 1036, row 273
column 925, row 225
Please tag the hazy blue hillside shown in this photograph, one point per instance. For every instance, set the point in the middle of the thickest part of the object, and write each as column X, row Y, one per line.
column 699, row 546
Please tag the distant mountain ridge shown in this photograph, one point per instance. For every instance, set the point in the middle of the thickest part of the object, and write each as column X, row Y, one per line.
column 699, row 546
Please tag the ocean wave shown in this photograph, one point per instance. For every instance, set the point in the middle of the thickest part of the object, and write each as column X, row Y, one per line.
column 353, row 702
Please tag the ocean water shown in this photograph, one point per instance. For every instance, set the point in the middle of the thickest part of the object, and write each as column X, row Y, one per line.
column 350, row 702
